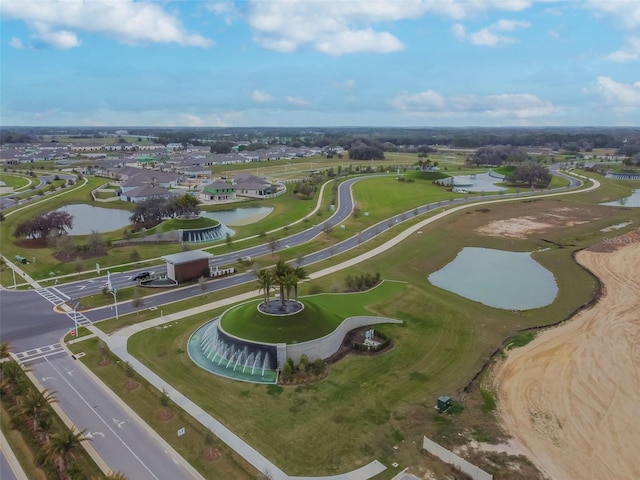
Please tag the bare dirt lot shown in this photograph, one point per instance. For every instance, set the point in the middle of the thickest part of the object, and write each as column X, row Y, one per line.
column 571, row 398
column 540, row 222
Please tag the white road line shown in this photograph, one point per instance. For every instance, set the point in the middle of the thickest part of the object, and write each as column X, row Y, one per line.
column 102, row 420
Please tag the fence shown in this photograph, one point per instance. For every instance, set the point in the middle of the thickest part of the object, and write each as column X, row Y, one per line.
column 451, row 458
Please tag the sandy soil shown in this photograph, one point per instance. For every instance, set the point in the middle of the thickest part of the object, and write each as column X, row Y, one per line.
column 521, row 227
column 571, row 398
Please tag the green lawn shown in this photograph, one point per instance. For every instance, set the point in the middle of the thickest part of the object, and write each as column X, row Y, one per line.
column 367, row 403
column 321, row 315
column 184, row 224
column 16, row 181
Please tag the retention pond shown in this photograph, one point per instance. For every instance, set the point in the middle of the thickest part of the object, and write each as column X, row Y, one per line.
column 497, row 278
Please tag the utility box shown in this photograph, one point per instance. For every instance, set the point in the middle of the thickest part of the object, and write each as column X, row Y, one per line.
column 443, row 403
column 21, row 260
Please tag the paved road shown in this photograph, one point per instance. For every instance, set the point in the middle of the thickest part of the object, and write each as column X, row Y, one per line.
column 121, row 439
column 29, row 323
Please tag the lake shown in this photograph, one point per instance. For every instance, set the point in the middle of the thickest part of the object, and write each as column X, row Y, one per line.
column 87, row 218
column 631, row 201
column 497, row 278
column 239, row 216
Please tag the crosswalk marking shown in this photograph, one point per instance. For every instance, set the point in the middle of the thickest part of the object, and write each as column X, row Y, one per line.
column 56, row 301
column 39, row 352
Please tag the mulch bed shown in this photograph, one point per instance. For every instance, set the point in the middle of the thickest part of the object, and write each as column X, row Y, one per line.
column 131, row 385
column 164, row 414
column 210, row 454
column 357, row 336
column 275, row 307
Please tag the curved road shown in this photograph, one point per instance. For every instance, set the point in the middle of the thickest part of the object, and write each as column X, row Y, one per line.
column 32, row 327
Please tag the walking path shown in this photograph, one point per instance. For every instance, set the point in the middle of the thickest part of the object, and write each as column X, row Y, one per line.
column 117, row 343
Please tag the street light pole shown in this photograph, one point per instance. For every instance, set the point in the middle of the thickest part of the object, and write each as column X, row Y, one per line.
column 115, row 300
column 75, row 303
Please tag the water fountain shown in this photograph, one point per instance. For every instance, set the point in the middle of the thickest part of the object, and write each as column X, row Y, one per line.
column 230, row 357
column 208, row 234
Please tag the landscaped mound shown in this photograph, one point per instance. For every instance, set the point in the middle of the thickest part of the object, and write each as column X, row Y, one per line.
column 186, row 224
column 247, row 322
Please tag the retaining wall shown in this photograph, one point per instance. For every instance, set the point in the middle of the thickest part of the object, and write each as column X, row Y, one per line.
column 326, row 346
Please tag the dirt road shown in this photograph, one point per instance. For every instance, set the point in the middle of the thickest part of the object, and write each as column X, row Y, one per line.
column 571, row 398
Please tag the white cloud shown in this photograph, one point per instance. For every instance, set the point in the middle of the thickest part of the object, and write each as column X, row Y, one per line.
column 461, row 9
column 490, row 36
column 62, row 39
column 334, row 28
column 339, row 27
column 629, row 53
column 625, row 13
column 56, row 22
column 298, row 101
column 429, row 102
column 620, row 96
column 16, row 43
column 261, row 96
column 225, row 9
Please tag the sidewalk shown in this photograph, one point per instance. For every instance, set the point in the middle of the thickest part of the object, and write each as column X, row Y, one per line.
column 118, row 344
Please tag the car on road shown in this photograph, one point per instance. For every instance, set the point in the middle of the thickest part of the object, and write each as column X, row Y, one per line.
column 141, row 276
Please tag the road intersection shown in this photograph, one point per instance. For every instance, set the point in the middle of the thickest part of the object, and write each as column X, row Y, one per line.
column 35, row 330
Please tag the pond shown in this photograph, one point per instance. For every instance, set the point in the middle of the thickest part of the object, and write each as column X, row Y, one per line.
column 500, row 279
column 239, row 216
column 87, row 218
column 631, row 201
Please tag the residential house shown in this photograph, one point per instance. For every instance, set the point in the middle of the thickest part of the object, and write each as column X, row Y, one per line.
column 218, row 190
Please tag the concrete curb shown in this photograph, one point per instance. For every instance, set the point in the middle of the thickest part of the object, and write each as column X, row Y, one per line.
column 71, row 426
column 134, row 416
column 12, row 460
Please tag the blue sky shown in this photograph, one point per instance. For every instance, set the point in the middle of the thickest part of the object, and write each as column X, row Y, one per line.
column 405, row 63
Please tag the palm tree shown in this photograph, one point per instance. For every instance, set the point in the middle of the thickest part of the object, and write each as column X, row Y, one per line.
column 12, row 374
column 279, row 271
column 265, row 284
column 301, row 274
column 36, row 402
column 65, row 443
column 4, row 349
column 288, row 282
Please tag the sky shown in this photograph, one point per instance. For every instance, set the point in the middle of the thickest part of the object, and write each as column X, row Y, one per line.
column 302, row 63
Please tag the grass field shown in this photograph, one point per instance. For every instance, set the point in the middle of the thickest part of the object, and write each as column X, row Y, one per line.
column 368, row 404
column 18, row 182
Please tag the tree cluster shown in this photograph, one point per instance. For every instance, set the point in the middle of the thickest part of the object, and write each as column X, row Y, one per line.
column 67, row 249
column 305, row 189
column 498, row 155
column 531, row 174
column 152, row 211
column 362, row 282
column 222, row 147
column 42, row 226
column 304, row 371
column 282, row 276
column 361, row 151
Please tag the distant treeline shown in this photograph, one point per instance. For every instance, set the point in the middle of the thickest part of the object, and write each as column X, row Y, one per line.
column 386, row 139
